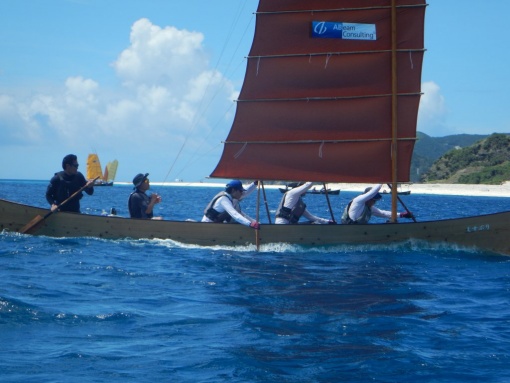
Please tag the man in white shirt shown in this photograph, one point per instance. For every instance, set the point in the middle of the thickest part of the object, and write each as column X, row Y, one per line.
column 361, row 208
column 221, row 208
column 292, row 207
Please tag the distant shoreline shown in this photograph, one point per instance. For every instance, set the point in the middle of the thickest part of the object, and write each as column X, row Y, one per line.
column 415, row 188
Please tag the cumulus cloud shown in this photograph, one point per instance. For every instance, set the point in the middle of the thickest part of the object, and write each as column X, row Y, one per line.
column 161, row 56
column 13, row 129
column 432, row 113
column 168, row 93
column 81, row 92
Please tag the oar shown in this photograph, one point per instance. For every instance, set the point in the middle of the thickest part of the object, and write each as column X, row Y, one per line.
column 265, row 201
column 34, row 223
column 403, row 204
column 329, row 204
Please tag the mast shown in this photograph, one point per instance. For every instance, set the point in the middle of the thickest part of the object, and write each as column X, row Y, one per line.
column 394, row 112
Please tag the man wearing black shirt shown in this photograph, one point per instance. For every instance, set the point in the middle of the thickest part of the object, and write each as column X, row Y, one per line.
column 65, row 183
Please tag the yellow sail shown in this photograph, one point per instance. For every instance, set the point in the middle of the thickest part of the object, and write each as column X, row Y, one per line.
column 94, row 167
column 111, row 170
column 105, row 175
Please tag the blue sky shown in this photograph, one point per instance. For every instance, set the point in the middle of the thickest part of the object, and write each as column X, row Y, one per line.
column 127, row 79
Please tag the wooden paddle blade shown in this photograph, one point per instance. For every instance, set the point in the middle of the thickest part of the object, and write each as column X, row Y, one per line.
column 32, row 225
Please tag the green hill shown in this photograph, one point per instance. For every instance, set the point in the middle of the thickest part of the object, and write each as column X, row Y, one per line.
column 485, row 162
column 429, row 149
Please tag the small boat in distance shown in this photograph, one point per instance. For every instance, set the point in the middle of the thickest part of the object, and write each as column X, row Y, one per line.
column 399, row 191
column 313, row 190
column 94, row 170
column 406, row 192
column 323, row 191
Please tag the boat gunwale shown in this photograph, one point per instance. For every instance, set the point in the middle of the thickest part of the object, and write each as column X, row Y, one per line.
column 262, row 224
column 486, row 232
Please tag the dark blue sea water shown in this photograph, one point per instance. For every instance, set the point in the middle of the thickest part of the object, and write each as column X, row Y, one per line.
column 93, row 310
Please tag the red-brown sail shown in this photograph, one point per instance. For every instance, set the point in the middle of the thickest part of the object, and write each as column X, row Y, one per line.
column 319, row 108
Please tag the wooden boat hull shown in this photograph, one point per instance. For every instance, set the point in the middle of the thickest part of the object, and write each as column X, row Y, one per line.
column 485, row 232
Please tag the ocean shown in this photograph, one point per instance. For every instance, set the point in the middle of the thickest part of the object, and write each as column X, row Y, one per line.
column 93, row 310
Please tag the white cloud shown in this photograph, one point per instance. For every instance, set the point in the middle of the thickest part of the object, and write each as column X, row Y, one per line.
column 168, row 94
column 10, row 120
column 81, row 92
column 161, row 56
column 433, row 112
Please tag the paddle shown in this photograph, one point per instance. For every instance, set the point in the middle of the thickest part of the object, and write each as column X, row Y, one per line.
column 403, row 204
column 257, row 240
column 38, row 220
column 265, row 201
column 329, row 203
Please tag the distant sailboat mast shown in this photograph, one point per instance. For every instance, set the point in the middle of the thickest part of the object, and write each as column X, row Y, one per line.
column 105, row 175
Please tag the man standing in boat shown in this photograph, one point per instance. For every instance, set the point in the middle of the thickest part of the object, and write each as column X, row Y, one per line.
column 292, row 207
column 139, row 203
column 361, row 208
column 65, row 183
column 222, row 208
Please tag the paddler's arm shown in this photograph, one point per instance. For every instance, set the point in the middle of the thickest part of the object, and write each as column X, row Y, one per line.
column 89, row 186
column 50, row 193
column 227, row 205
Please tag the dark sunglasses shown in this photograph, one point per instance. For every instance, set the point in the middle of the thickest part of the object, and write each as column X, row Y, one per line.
column 75, row 165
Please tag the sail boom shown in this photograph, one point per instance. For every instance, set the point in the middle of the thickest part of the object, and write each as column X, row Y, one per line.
column 328, row 98
column 338, row 9
column 407, row 50
column 295, row 142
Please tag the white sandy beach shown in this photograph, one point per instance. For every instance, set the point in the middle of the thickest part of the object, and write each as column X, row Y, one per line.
column 442, row 189
column 415, row 188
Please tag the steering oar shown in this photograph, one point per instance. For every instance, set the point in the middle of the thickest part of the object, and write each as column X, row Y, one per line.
column 34, row 224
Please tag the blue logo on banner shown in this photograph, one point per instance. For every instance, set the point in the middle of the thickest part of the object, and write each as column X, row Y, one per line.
column 326, row 29
column 345, row 31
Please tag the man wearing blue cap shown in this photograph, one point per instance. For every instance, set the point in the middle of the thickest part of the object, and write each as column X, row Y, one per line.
column 221, row 208
column 361, row 208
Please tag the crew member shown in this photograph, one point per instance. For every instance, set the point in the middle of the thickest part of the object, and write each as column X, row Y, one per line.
column 292, row 207
column 65, row 183
column 221, row 209
column 139, row 203
column 361, row 208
